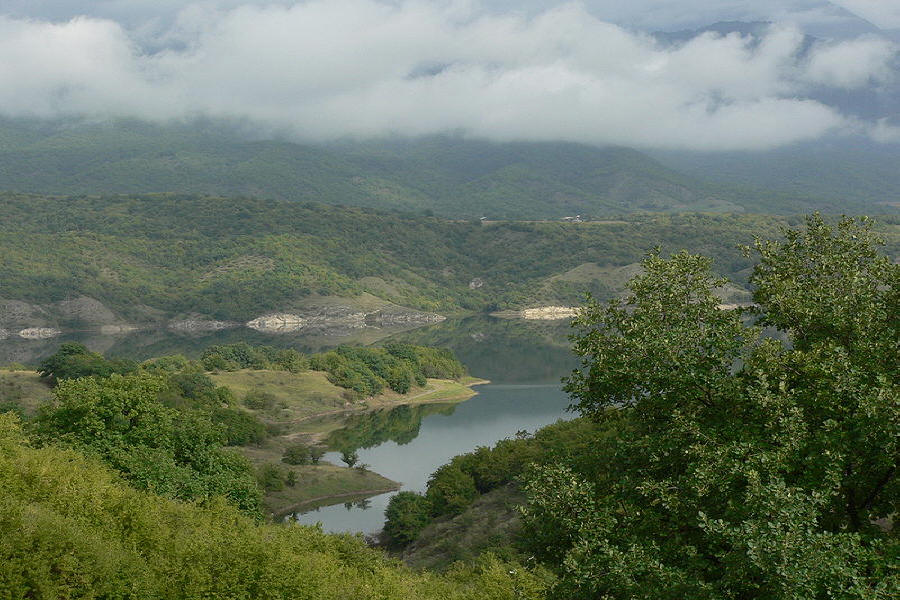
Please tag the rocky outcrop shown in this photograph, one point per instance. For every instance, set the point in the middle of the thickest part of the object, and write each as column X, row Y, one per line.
column 39, row 333
column 540, row 313
column 550, row 313
column 199, row 325
column 334, row 319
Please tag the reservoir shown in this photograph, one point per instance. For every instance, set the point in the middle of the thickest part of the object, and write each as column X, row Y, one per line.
column 498, row 411
column 523, row 360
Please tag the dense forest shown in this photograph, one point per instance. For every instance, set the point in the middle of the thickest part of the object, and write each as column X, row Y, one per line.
column 236, row 258
column 454, row 177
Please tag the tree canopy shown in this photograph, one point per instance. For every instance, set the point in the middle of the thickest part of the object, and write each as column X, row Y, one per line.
column 746, row 465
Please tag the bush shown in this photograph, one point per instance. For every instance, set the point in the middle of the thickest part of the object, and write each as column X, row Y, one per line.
column 297, row 454
column 407, row 514
column 272, row 477
column 241, row 427
column 316, row 453
column 260, row 400
column 450, row 490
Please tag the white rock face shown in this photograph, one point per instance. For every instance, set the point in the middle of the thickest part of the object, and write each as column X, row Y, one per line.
column 39, row 333
column 3, row 334
column 278, row 322
column 190, row 325
column 550, row 313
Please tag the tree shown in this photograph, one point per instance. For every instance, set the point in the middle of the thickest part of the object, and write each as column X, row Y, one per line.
column 296, row 454
column 173, row 453
column 407, row 514
column 746, row 466
column 74, row 360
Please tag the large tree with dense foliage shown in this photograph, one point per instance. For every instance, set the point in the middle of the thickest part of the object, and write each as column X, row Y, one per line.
column 748, row 466
column 170, row 452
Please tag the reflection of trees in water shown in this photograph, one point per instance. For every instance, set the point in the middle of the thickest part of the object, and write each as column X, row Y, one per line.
column 400, row 425
column 363, row 504
column 503, row 350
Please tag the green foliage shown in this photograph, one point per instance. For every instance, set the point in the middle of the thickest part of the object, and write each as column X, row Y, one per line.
column 316, row 453
column 241, row 355
column 455, row 486
column 11, row 394
column 72, row 529
column 745, row 466
column 407, row 514
column 296, row 454
column 74, row 360
column 259, row 400
column 450, row 490
column 184, row 254
column 367, row 371
column 272, row 477
column 349, row 457
column 174, row 453
column 240, row 427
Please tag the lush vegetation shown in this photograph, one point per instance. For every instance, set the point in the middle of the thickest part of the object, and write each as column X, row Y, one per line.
column 239, row 258
column 175, row 453
column 73, row 529
column 712, row 461
column 74, row 360
column 747, row 466
column 455, row 486
column 241, row 355
column 367, row 371
column 453, row 177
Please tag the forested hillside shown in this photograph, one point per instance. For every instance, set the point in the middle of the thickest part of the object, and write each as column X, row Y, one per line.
column 236, row 258
column 449, row 176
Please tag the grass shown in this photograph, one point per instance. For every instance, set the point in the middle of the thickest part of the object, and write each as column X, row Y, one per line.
column 297, row 395
column 24, row 390
column 301, row 396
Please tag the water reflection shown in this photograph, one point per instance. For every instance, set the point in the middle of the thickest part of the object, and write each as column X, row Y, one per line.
column 497, row 412
column 400, row 425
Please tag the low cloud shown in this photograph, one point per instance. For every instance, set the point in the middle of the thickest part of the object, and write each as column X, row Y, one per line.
column 328, row 69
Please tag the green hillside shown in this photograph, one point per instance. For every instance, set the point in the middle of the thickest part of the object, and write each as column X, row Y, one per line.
column 236, row 258
column 449, row 176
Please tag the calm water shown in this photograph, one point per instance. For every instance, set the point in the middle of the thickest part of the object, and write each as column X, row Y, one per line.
column 497, row 412
column 523, row 360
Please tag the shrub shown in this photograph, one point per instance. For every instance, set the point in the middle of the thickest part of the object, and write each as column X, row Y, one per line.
column 297, row 454
column 407, row 514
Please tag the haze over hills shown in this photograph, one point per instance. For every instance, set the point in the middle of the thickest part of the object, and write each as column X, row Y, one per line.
column 448, row 176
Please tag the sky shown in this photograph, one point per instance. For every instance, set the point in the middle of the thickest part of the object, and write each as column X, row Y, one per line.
column 579, row 71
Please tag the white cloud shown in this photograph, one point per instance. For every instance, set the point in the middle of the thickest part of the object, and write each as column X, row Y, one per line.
column 851, row 64
column 324, row 69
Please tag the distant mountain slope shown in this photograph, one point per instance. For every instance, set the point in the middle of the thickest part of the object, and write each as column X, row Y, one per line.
column 236, row 259
column 451, row 177
column 856, row 172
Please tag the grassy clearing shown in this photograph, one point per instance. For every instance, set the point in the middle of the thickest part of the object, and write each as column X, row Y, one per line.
column 23, row 390
column 297, row 395
column 301, row 396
